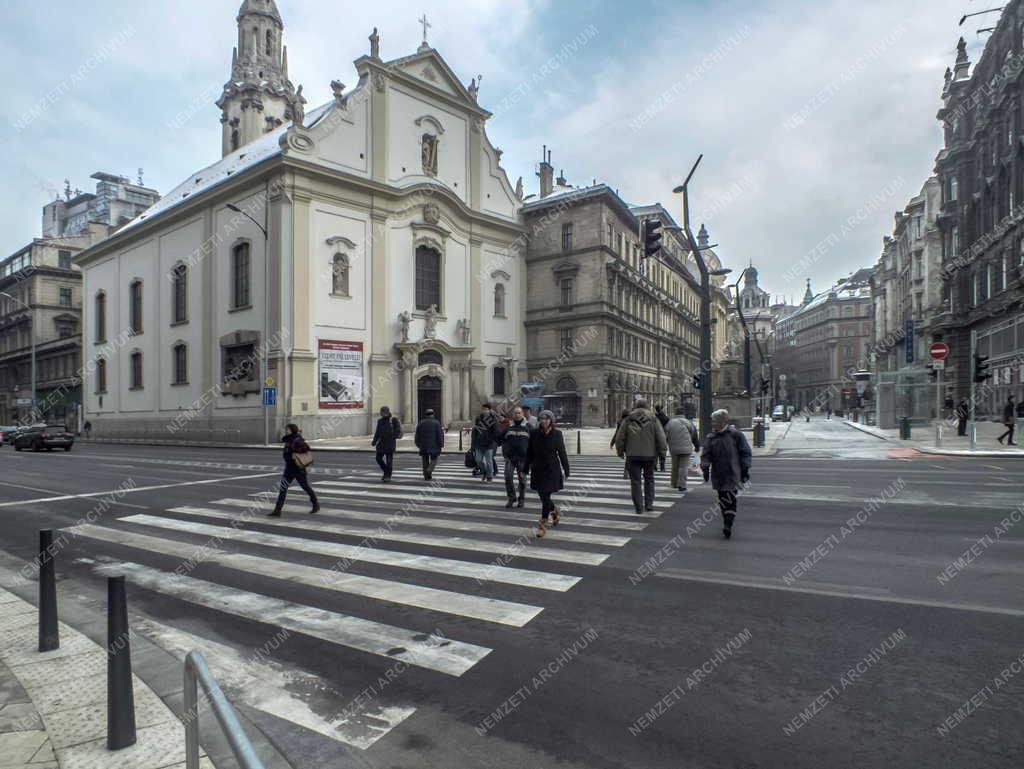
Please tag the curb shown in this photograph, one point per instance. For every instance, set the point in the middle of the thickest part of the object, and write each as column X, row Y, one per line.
column 867, row 431
column 937, row 451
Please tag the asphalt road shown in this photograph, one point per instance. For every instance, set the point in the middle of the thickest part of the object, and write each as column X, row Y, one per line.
column 867, row 595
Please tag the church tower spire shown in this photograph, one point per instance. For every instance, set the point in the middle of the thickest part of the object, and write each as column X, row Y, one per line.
column 258, row 97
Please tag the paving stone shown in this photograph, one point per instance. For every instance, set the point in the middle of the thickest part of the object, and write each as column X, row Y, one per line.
column 65, row 695
column 157, row 747
column 19, row 717
column 52, row 671
column 13, row 621
column 17, row 748
column 16, row 608
column 71, row 643
column 11, row 690
column 44, row 755
column 88, row 723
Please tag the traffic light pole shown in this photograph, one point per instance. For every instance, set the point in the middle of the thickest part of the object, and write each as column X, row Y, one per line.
column 970, row 421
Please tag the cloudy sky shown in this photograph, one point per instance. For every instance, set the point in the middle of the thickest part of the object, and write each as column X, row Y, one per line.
column 816, row 118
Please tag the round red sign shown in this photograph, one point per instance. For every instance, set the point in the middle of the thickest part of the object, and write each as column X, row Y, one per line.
column 939, row 351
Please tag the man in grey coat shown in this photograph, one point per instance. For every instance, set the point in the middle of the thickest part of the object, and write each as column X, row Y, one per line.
column 682, row 440
column 641, row 440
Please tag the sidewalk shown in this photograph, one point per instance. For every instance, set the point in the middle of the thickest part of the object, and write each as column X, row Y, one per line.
column 923, row 439
column 53, row 705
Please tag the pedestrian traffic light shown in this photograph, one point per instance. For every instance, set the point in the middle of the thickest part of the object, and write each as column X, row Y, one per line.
column 981, row 372
column 696, row 382
column 933, row 373
column 650, row 234
column 765, row 386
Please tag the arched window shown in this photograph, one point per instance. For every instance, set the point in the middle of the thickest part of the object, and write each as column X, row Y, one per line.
column 428, row 357
column 135, row 373
column 499, row 300
column 499, row 380
column 240, row 276
column 180, row 360
column 101, row 317
column 428, row 278
column 270, row 42
column 135, row 307
column 179, row 294
column 234, row 139
column 101, row 375
column 339, row 275
column 566, row 385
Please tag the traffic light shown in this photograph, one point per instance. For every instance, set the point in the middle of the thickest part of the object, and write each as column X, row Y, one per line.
column 933, row 373
column 765, row 386
column 697, row 382
column 650, row 234
column 981, row 372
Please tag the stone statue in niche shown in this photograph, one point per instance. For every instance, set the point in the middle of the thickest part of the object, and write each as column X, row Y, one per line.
column 519, row 188
column 405, row 318
column 430, row 322
column 429, row 152
column 464, row 330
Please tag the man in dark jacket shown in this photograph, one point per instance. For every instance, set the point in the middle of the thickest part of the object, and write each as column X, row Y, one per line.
column 1010, row 420
column 389, row 430
column 726, row 459
column 659, row 412
column 430, row 441
column 962, row 412
column 514, row 441
column 486, row 435
column 641, row 440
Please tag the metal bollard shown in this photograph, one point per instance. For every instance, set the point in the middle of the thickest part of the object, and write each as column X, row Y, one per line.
column 579, row 442
column 49, row 633
column 460, row 439
column 120, row 695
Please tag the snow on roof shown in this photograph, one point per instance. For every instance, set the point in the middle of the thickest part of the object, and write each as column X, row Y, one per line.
column 242, row 159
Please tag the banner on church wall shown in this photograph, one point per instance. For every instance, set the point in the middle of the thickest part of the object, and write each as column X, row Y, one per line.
column 341, row 374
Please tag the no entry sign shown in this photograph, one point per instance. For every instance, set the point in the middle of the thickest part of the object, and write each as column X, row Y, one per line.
column 939, row 351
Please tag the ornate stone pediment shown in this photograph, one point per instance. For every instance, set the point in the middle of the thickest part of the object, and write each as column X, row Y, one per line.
column 565, row 268
column 335, row 240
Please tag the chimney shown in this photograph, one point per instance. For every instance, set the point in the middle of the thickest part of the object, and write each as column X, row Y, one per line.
column 561, row 180
column 546, row 173
column 963, row 64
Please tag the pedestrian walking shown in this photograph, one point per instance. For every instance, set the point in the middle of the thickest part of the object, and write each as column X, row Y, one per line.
column 87, row 428
column 659, row 412
column 515, row 439
column 611, row 443
column 962, row 412
column 726, row 460
column 683, row 441
column 1010, row 420
column 297, row 459
column 385, row 438
column 828, row 414
column 641, row 440
column 430, row 441
column 531, row 418
column 486, row 435
column 548, row 466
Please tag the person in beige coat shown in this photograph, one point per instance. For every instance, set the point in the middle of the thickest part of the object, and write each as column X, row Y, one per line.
column 682, row 439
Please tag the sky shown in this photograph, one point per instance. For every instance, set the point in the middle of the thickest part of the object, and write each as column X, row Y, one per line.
column 815, row 118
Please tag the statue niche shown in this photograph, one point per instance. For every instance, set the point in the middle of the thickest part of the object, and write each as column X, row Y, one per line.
column 429, row 152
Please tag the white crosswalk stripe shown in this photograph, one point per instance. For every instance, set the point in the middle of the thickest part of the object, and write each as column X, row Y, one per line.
column 404, row 554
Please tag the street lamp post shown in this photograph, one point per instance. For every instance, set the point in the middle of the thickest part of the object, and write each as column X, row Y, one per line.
column 32, row 338
column 705, row 303
column 266, row 307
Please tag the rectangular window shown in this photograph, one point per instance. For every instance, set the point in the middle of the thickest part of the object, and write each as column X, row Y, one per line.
column 64, row 330
column 428, row 278
column 565, row 286
column 179, row 294
column 65, row 297
column 240, row 276
column 135, row 307
column 101, row 376
column 135, row 379
column 566, row 339
column 567, row 236
column 499, row 380
column 101, row 317
column 180, row 364
column 64, row 259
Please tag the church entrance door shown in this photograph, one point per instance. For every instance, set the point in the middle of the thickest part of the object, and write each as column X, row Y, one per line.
column 428, row 396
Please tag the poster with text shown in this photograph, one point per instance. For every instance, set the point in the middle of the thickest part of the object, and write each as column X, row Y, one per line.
column 341, row 374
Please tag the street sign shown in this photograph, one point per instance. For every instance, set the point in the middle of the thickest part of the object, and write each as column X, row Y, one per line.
column 908, row 339
column 939, row 351
column 269, row 396
column 22, row 401
column 938, row 364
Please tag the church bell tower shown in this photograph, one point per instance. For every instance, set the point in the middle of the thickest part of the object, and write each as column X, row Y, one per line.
column 258, row 97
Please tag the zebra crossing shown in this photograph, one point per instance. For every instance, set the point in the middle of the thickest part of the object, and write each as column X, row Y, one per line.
column 356, row 576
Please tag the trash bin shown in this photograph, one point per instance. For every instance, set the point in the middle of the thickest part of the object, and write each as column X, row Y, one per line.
column 905, row 429
column 758, row 432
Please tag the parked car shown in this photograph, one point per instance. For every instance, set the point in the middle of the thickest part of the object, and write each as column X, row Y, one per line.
column 47, row 437
column 780, row 414
column 6, row 433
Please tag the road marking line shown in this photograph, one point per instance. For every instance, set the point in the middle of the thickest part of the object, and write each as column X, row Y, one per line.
column 995, row 467
column 669, row 574
column 433, row 599
column 118, row 492
column 485, row 572
column 31, row 488
column 518, row 549
column 451, row 523
column 393, row 643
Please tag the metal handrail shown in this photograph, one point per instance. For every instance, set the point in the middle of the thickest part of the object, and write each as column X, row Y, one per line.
column 196, row 670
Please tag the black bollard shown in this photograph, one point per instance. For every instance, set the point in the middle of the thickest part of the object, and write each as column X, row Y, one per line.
column 579, row 443
column 120, row 696
column 460, row 440
column 49, row 634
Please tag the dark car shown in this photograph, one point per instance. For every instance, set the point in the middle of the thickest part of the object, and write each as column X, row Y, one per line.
column 47, row 437
column 7, row 433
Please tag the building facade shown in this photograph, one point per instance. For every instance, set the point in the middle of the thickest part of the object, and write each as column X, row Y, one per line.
column 604, row 325
column 363, row 254
column 116, row 202
column 819, row 345
column 981, row 176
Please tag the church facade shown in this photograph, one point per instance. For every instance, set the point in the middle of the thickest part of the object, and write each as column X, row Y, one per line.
column 362, row 254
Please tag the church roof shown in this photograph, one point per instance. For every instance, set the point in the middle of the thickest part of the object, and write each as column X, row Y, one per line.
column 242, row 159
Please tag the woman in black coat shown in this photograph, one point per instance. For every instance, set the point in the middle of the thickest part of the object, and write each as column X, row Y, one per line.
column 294, row 444
column 548, row 464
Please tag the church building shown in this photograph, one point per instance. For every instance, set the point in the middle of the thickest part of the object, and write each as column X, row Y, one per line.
column 333, row 261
